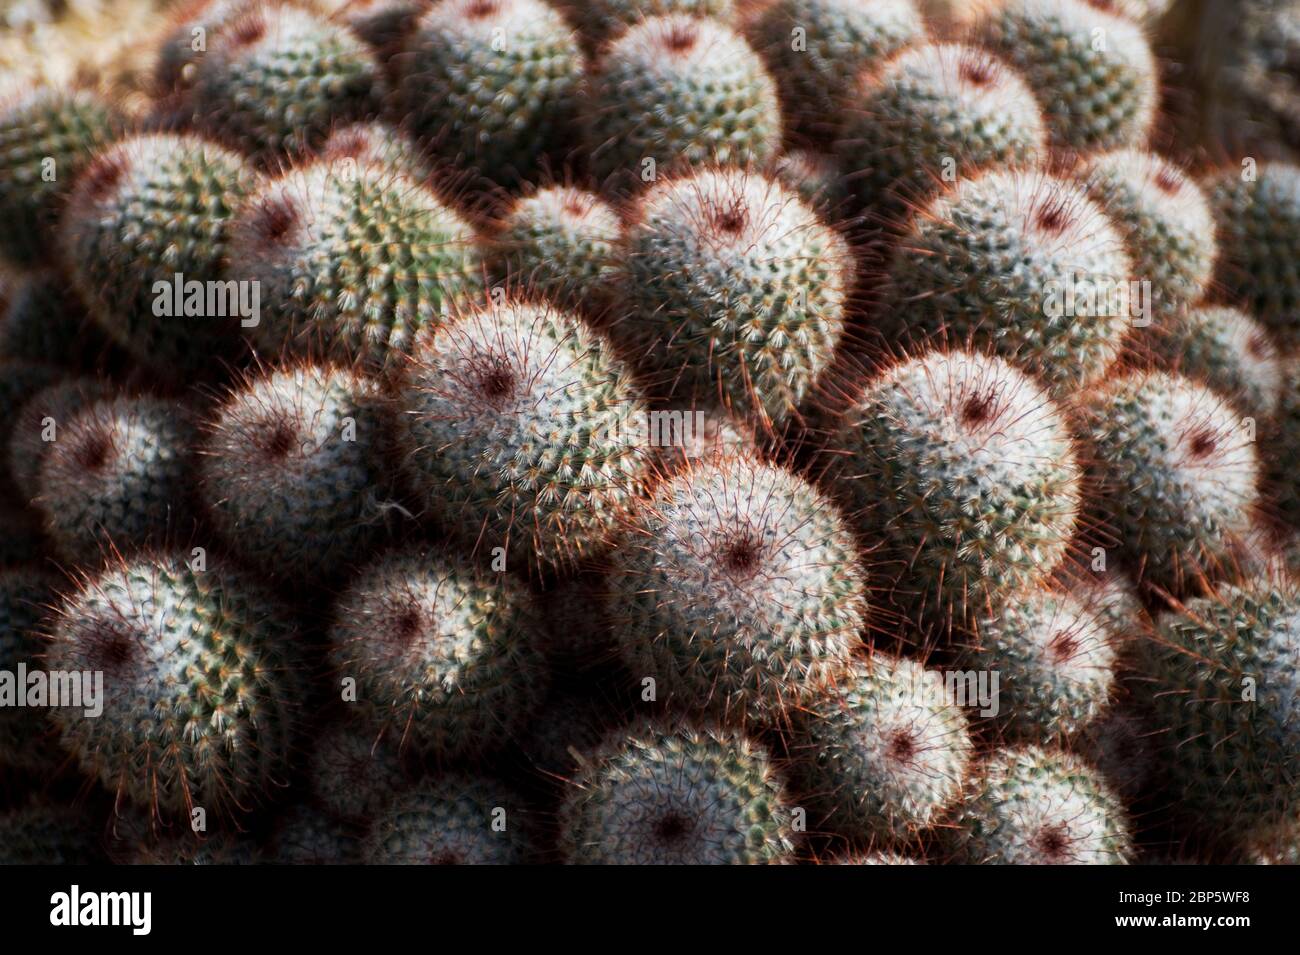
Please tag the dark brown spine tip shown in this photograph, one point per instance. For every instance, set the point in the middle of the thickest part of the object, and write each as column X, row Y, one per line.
column 275, row 220
column 681, row 38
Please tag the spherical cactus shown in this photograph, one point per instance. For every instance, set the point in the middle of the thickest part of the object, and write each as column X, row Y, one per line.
column 1030, row 806
column 353, row 772
column 883, row 756
column 559, row 242
column 739, row 588
column 200, row 693
column 47, row 137
column 935, row 113
column 317, row 242
column 376, row 144
column 39, row 424
column 186, row 40
column 1226, row 350
column 455, row 819
column 676, row 795
column 294, row 470
column 306, row 837
column 678, row 91
column 1222, row 679
column 444, row 654
column 45, row 834
column 1021, row 262
column 969, row 472
column 735, row 291
column 27, row 596
column 523, row 431
column 117, row 479
column 1092, row 67
column 1257, row 210
column 144, row 238
column 492, row 84
column 814, row 176
column 1176, row 475
column 278, row 77
column 604, row 20
column 1055, row 658
column 815, row 47
column 1166, row 220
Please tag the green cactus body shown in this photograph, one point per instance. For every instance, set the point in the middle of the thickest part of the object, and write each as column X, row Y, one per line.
column 353, row 772
column 814, row 48
column 1222, row 678
column 677, row 91
column 736, row 292
column 47, row 137
column 1056, row 661
column 294, row 470
column 492, row 84
column 352, row 260
column 1258, row 216
column 117, row 479
column 934, row 114
column 146, row 231
column 1176, row 474
column 738, row 586
column 278, row 77
column 306, row 837
column 445, row 655
column 193, row 26
column 676, row 795
column 524, row 431
column 559, row 242
column 200, row 692
column 1226, row 350
column 1092, row 68
column 1030, row 806
column 1166, row 220
column 27, row 593
column 968, row 470
column 39, row 424
column 883, row 756
column 1020, row 262
column 44, row 834
column 455, row 819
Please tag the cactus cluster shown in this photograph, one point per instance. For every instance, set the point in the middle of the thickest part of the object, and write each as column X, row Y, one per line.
column 649, row 432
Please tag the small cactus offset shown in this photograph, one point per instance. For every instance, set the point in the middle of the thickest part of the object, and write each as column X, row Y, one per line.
column 492, row 84
column 678, row 91
column 47, row 138
column 277, row 77
column 883, row 756
column 118, row 478
column 1032, row 806
column 734, row 292
column 524, row 434
column 738, row 588
column 676, row 795
column 968, row 471
column 1021, row 262
column 814, row 48
column 201, row 695
column 1177, row 476
column 445, row 656
column 455, row 819
column 294, row 470
column 145, row 238
column 932, row 115
column 361, row 222
column 1092, row 68
column 1257, row 210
